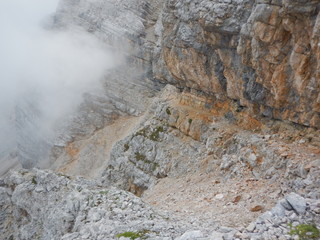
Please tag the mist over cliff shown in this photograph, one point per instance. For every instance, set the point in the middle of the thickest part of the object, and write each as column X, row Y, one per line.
column 44, row 73
column 210, row 116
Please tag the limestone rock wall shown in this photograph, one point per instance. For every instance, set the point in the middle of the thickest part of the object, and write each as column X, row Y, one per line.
column 263, row 53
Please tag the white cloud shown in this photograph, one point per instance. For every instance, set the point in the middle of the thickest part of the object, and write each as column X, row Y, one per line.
column 53, row 68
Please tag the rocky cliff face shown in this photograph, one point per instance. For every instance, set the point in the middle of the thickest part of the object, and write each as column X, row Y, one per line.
column 263, row 54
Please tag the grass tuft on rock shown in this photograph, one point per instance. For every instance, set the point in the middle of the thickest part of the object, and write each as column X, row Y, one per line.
column 133, row 235
column 34, row 181
column 155, row 135
column 305, row 231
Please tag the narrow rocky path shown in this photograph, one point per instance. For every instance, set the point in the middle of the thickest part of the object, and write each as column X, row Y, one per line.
column 209, row 200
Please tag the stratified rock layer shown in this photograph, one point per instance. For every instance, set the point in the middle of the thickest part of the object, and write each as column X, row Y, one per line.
column 263, row 53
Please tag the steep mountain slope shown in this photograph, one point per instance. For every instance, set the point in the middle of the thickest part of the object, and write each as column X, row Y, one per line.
column 228, row 149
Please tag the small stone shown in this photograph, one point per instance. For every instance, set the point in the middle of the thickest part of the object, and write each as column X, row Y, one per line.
column 236, row 199
column 39, row 189
column 227, row 162
column 293, row 216
column 238, row 234
column 255, row 236
column 226, row 229
column 256, row 208
column 265, row 216
column 256, row 174
column 270, row 172
column 243, row 236
column 260, row 228
column 314, row 164
column 316, row 210
column 217, row 236
column 295, row 223
column 219, row 196
column 252, row 160
column 251, row 227
column 267, row 137
column 269, row 224
column 278, row 210
column 190, row 235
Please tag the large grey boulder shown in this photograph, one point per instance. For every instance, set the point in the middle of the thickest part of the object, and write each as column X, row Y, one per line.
column 297, row 202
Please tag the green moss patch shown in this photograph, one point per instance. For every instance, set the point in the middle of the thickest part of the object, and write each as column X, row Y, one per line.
column 305, row 231
column 133, row 235
column 153, row 134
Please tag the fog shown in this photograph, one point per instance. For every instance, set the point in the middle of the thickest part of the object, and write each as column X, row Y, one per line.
column 43, row 72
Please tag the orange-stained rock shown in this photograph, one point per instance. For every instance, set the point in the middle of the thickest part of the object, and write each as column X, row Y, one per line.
column 265, row 56
column 72, row 150
column 189, row 67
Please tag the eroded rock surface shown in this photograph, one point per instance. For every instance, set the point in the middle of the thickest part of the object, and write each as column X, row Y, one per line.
column 59, row 207
column 264, row 54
